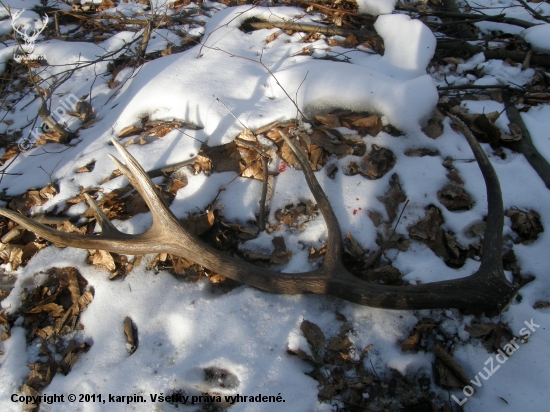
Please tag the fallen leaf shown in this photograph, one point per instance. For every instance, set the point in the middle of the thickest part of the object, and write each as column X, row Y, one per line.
column 450, row 374
column 129, row 131
column 315, row 338
column 526, row 224
column 280, row 255
column 377, row 162
column 103, row 259
column 130, row 330
column 352, row 247
column 371, row 125
column 393, row 197
column 454, row 198
column 329, row 120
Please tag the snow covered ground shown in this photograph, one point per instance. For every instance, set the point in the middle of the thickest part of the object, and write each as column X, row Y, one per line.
column 185, row 328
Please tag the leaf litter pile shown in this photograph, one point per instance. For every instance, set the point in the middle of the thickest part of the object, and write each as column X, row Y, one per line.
column 51, row 314
column 337, row 143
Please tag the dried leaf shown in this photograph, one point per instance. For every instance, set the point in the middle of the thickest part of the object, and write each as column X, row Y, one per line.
column 272, row 37
column 371, row 125
column 103, row 259
column 10, row 152
column 129, row 131
column 377, row 162
column 48, row 192
column 50, row 137
column 393, row 198
column 23, row 203
column 130, row 330
column 84, row 109
column 492, row 335
column 53, row 309
column 329, row 120
column 352, row 247
column 411, row 342
column 449, row 371
column 526, row 224
column 315, row 338
column 280, row 255
column 11, row 254
column 175, row 185
column 485, row 124
column 454, row 198
column 320, row 138
column 339, row 343
column 301, row 354
column 199, row 224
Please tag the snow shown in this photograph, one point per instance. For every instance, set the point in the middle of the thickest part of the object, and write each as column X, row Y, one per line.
column 376, row 7
column 185, row 327
column 538, row 37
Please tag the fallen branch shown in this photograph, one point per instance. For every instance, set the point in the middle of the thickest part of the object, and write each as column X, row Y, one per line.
column 309, row 28
column 500, row 54
column 535, row 13
column 525, row 145
column 500, row 18
column 463, row 29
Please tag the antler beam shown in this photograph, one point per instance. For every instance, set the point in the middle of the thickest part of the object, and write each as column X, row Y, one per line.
column 485, row 290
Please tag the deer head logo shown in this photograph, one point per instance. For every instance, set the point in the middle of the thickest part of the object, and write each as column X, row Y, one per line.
column 29, row 39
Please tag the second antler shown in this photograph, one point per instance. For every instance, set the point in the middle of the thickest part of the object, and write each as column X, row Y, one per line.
column 485, row 290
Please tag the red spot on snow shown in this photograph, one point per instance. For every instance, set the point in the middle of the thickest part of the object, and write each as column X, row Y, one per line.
column 354, row 212
column 356, row 198
column 360, row 209
column 282, row 167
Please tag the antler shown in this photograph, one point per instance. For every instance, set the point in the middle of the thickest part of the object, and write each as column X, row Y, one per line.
column 485, row 290
column 24, row 34
column 14, row 17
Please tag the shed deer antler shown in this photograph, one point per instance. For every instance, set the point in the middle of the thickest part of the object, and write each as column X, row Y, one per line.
column 485, row 290
column 28, row 47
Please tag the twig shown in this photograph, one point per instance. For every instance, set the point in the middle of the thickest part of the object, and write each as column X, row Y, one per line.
column 53, row 170
column 475, row 86
column 310, row 28
column 500, row 18
column 464, row 31
column 227, row 108
column 261, row 222
column 372, row 258
column 500, row 54
column 535, row 13
column 525, row 145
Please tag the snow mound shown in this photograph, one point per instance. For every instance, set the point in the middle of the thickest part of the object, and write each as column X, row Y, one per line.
column 538, row 37
column 376, row 7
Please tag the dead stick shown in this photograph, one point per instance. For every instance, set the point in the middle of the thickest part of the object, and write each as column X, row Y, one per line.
column 535, row 13
column 525, row 145
column 309, row 28
column 261, row 222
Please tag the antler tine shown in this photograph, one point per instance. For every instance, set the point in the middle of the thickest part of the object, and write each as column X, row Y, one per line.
column 143, row 184
column 166, row 235
column 107, row 227
column 69, row 239
column 492, row 240
column 334, row 241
